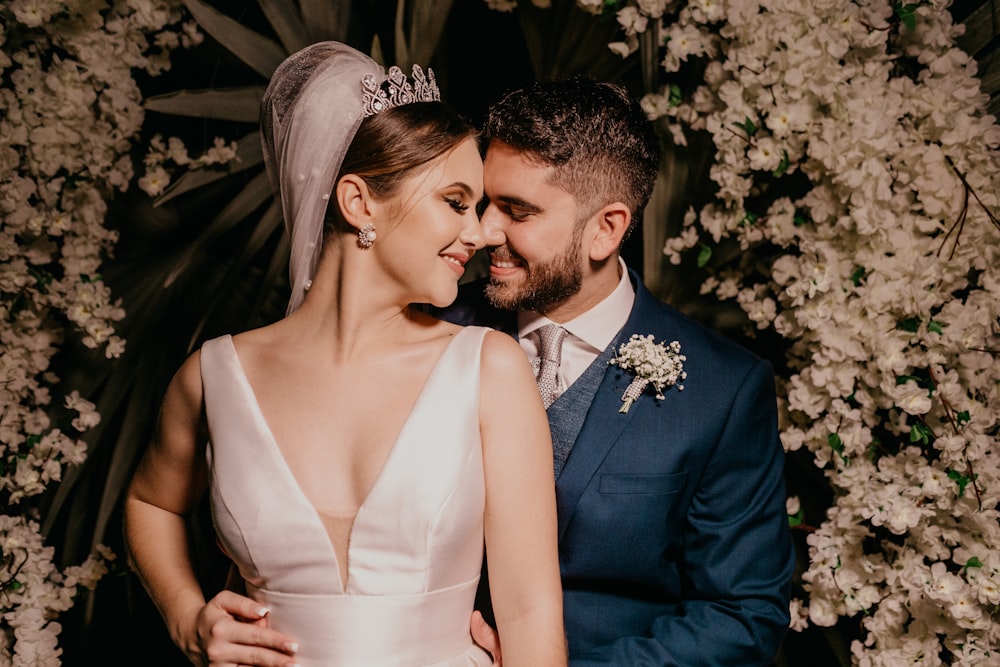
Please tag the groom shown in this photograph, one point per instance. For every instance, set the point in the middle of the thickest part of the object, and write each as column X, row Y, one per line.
column 673, row 539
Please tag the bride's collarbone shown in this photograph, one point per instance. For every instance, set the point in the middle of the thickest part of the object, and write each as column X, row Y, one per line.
column 351, row 407
column 364, row 399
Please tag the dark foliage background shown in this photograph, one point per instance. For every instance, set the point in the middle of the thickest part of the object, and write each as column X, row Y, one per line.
column 210, row 261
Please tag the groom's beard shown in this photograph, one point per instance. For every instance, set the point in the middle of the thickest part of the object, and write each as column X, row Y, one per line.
column 542, row 284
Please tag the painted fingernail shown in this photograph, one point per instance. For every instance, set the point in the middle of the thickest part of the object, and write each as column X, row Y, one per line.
column 263, row 611
column 290, row 647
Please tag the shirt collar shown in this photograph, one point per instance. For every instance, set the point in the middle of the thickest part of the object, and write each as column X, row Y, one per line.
column 596, row 327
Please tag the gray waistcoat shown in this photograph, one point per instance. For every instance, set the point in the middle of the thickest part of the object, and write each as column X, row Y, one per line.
column 568, row 412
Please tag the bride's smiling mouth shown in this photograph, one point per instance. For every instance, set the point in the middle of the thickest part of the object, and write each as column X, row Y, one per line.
column 456, row 262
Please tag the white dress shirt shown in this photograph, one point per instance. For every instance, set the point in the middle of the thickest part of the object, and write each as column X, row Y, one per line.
column 589, row 333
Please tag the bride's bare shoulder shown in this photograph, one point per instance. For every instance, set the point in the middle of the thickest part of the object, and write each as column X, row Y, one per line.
column 502, row 356
column 267, row 337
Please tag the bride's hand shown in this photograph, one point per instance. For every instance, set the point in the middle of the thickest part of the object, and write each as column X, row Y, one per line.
column 232, row 630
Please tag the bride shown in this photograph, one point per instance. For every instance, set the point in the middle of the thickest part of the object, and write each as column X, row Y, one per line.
column 358, row 453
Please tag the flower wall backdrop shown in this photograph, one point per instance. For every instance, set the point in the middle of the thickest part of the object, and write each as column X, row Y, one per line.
column 853, row 219
column 855, row 167
column 69, row 110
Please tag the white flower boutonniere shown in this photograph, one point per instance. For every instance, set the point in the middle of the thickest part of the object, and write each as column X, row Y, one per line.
column 652, row 363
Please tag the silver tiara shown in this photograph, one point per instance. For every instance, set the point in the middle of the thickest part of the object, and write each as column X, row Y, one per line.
column 397, row 91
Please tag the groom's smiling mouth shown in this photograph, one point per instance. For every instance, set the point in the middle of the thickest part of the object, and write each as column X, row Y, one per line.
column 503, row 263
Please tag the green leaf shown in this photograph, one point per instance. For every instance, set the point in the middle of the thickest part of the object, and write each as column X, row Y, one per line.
column 935, row 326
column 748, row 219
column 919, row 432
column 800, row 218
column 238, row 104
column 907, row 14
column 42, row 279
column 910, row 324
column 704, row 254
column 972, row 562
column 963, row 417
column 796, row 520
column 674, row 98
column 782, row 166
column 837, row 445
column 959, row 479
column 747, row 126
column 857, row 275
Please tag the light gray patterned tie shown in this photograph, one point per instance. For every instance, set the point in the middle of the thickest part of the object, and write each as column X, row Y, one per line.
column 550, row 338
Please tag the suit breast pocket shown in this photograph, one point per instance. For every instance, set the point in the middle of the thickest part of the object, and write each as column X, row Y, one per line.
column 647, row 485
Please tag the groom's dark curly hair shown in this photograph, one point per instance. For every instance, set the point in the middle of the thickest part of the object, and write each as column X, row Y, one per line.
column 596, row 136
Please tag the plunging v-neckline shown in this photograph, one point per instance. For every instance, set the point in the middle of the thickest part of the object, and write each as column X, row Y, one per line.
column 376, row 482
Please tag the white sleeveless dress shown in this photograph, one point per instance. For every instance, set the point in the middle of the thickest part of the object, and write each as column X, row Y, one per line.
column 416, row 545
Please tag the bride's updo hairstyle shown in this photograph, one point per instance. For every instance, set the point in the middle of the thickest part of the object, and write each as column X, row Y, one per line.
column 329, row 110
column 393, row 144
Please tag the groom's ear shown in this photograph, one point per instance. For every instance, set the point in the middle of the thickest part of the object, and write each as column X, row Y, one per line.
column 609, row 227
column 355, row 200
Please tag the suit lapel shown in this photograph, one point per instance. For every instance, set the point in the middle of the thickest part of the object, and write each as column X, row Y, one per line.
column 601, row 430
column 604, row 424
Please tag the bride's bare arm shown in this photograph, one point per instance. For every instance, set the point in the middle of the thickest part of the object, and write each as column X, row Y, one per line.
column 520, row 519
column 168, row 483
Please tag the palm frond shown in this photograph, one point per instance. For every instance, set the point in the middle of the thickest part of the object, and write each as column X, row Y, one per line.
column 287, row 24
column 248, row 155
column 554, row 36
column 234, row 104
column 261, row 54
column 418, row 30
column 262, row 231
column 251, row 198
column 326, row 19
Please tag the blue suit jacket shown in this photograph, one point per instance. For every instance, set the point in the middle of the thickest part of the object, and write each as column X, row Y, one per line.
column 673, row 539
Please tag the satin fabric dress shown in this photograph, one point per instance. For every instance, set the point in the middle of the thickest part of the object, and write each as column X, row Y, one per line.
column 416, row 545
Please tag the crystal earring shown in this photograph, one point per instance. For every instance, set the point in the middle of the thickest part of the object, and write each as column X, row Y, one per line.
column 366, row 236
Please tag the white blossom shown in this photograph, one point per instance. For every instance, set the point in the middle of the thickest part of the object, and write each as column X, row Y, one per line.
column 68, row 116
column 659, row 365
column 631, row 20
column 881, row 272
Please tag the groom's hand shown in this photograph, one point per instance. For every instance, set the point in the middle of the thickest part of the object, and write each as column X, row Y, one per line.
column 231, row 630
column 486, row 637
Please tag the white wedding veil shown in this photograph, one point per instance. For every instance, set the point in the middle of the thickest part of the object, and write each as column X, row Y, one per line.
column 310, row 112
